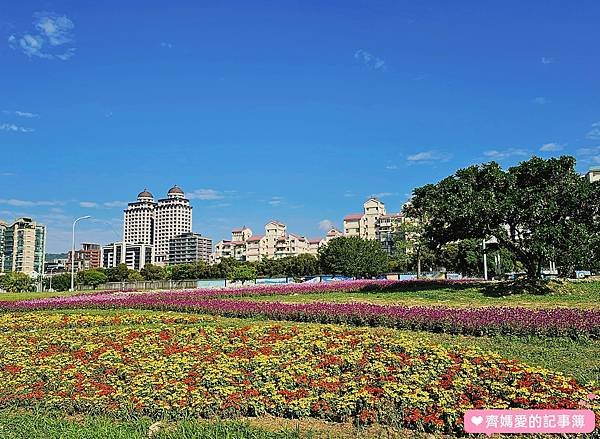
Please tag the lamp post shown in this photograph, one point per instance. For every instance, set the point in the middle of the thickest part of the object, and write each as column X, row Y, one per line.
column 51, row 270
column 73, row 252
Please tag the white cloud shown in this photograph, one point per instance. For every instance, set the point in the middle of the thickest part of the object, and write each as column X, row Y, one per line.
column 205, row 194
column 370, row 60
column 51, row 39
column 391, row 167
column 496, row 154
column 590, row 155
column 275, row 201
column 551, row 147
column 540, row 100
column 20, row 113
column 428, row 157
column 113, row 204
column 166, row 45
column 326, row 225
column 383, row 194
column 349, row 194
column 547, row 60
column 6, row 174
column 11, row 127
column 27, row 203
column 88, row 204
column 594, row 133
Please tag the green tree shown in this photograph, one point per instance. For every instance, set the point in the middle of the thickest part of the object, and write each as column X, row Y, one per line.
column 539, row 210
column 15, row 282
column 153, row 272
column 411, row 249
column 60, row 282
column 353, row 256
column 120, row 273
column 242, row 273
column 134, row 276
column 93, row 277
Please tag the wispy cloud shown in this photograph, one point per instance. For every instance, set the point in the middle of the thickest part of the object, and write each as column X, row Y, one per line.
column 114, row 204
column 88, row 204
column 326, row 225
column 370, row 60
column 551, row 147
column 52, row 37
column 383, row 194
column 426, row 157
column 205, row 194
column 540, row 100
column 20, row 113
column 547, row 60
column 391, row 167
column 590, row 155
column 28, row 203
column 496, row 154
column 166, row 45
column 594, row 132
column 275, row 201
column 7, row 174
column 11, row 127
column 349, row 194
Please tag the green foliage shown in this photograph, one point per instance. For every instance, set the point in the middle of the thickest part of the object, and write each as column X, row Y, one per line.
column 92, row 277
column 292, row 266
column 60, row 282
column 153, row 272
column 120, row 273
column 15, row 282
column 539, row 210
column 242, row 273
column 353, row 256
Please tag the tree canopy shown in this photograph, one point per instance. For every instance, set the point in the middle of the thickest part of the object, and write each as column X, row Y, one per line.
column 353, row 256
column 539, row 210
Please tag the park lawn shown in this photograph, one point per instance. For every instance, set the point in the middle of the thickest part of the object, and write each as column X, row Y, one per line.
column 13, row 297
column 22, row 424
column 576, row 295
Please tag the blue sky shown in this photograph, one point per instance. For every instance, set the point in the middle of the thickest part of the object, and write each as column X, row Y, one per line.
column 289, row 110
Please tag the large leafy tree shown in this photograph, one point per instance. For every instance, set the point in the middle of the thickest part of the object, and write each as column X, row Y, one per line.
column 92, row 277
column 153, row 272
column 15, row 282
column 353, row 256
column 243, row 273
column 539, row 210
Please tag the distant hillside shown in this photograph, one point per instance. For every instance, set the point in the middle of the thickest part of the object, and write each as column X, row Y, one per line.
column 50, row 256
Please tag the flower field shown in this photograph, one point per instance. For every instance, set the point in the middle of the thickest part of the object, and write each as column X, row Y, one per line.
column 178, row 365
column 571, row 322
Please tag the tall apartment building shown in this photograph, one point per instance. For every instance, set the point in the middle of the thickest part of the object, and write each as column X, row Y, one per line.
column 89, row 256
column 593, row 174
column 154, row 223
column 23, row 246
column 373, row 223
column 276, row 243
column 3, row 227
column 314, row 244
column 188, row 248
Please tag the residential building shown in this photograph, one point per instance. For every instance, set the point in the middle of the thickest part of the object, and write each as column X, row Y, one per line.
column 154, row 223
column 373, row 223
column 135, row 256
column 315, row 243
column 173, row 218
column 188, row 248
column 593, row 174
column 89, row 256
column 3, row 227
column 139, row 218
column 276, row 243
column 23, row 246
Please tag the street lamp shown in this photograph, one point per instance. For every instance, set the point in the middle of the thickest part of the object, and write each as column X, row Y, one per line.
column 73, row 252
